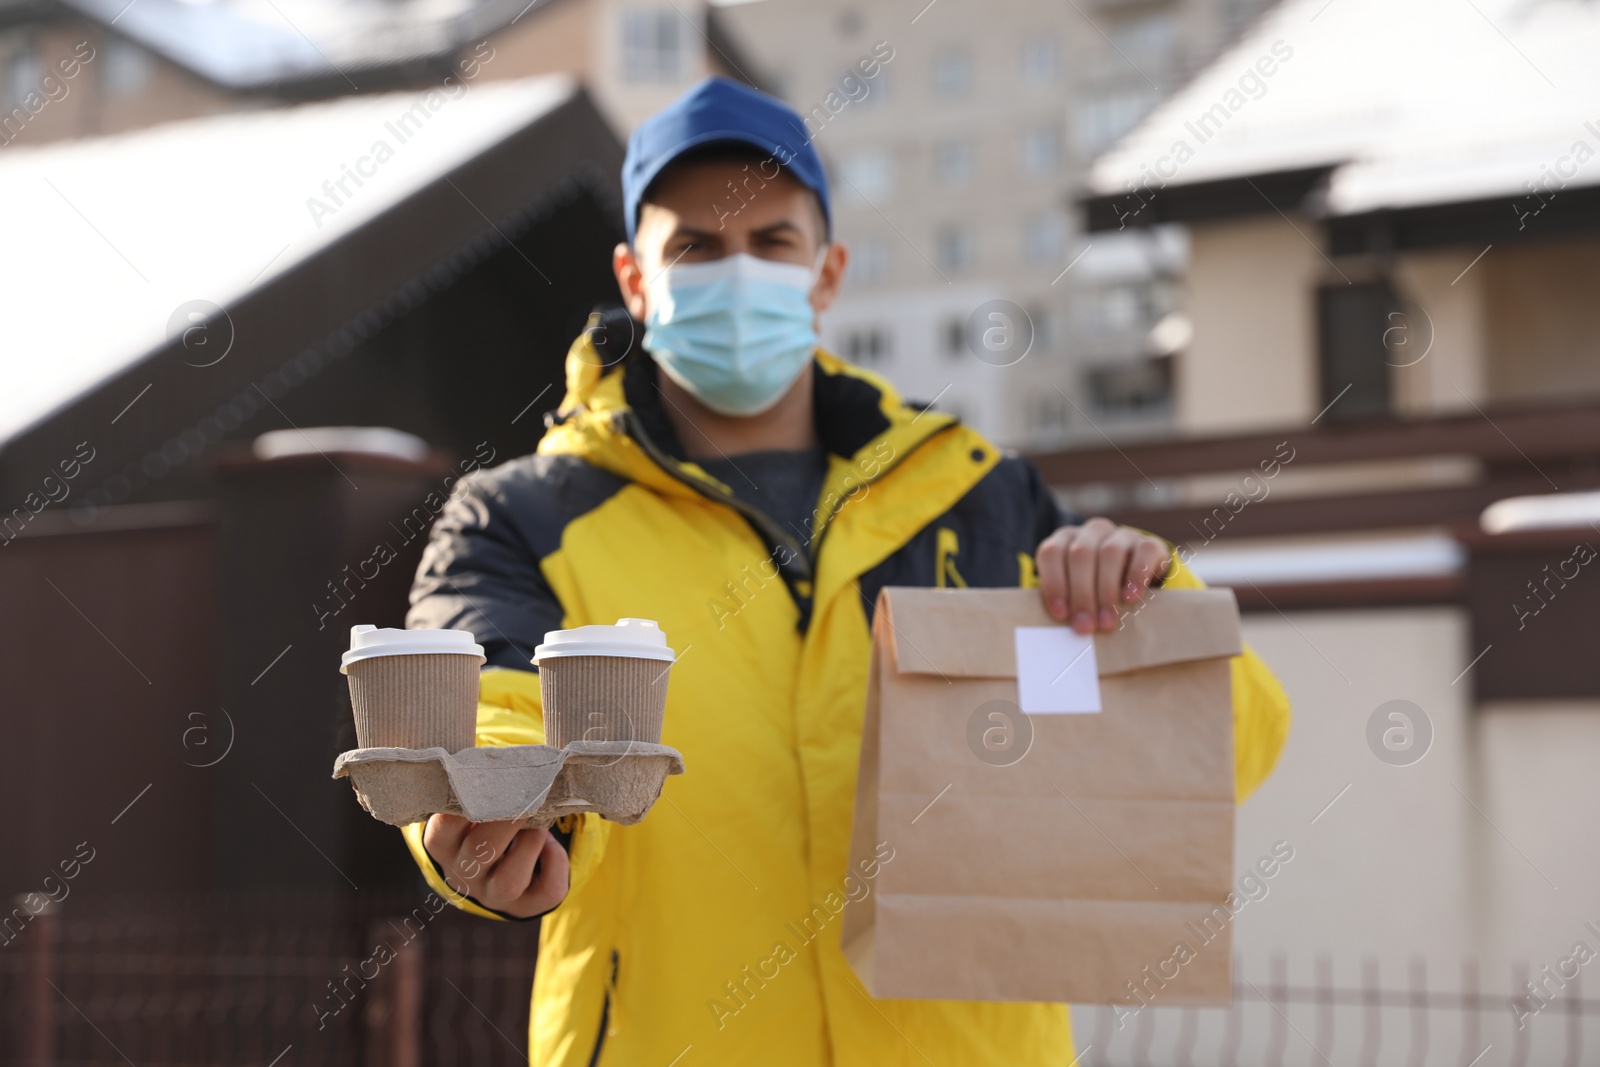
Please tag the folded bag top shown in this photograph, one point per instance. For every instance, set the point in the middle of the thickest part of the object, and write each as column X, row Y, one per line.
column 969, row 633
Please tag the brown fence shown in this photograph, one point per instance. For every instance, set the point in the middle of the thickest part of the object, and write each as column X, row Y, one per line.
column 397, row 982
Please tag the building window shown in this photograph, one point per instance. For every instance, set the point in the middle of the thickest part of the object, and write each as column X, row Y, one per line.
column 21, row 75
column 1355, row 330
column 867, row 175
column 867, row 346
column 1119, row 309
column 952, row 73
column 1235, row 13
column 955, row 338
column 953, row 161
column 1149, row 43
column 1047, row 415
column 655, row 45
column 1041, row 60
column 1041, row 149
column 870, row 261
column 1139, row 387
column 1046, row 326
column 954, row 249
column 1105, row 115
column 877, row 90
column 1044, row 238
column 128, row 68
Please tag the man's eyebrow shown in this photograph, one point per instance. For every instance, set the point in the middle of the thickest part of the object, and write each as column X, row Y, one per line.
column 693, row 233
column 781, row 224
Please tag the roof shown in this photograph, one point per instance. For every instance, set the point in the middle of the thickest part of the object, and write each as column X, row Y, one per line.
column 244, row 44
column 109, row 238
column 1401, row 105
column 1552, row 511
column 1345, row 560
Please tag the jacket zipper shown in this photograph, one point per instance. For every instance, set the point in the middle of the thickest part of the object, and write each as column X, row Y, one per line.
column 757, row 518
column 605, row 1011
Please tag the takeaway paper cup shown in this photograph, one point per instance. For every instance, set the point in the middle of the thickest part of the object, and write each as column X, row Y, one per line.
column 413, row 688
column 604, row 683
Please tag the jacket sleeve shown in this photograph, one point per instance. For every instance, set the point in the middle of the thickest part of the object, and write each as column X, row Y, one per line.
column 1260, row 706
column 478, row 574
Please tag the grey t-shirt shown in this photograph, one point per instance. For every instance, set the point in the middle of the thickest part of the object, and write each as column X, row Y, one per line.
column 784, row 484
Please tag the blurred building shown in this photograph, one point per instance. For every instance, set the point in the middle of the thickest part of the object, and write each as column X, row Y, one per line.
column 1400, row 232
column 234, row 372
column 135, row 64
column 956, row 162
column 1389, row 420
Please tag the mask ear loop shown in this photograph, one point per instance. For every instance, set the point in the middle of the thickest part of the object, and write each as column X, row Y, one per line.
column 822, row 257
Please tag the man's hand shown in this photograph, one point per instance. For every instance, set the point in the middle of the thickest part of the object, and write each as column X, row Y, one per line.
column 501, row 865
column 1086, row 572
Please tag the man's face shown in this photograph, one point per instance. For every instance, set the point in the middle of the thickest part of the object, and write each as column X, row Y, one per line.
column 694, row 215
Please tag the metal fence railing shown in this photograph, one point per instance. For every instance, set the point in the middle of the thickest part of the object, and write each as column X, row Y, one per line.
column 304, row 981
column 401, row 983
column 1415, row 1017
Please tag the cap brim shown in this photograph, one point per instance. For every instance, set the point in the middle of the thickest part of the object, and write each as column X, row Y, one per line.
column 710, row 137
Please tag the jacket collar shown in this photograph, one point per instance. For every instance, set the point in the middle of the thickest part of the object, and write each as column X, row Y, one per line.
column 613, row 415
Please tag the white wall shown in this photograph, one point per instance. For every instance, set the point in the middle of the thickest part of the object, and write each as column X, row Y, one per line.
column 1540, row 765
column 1381, row 871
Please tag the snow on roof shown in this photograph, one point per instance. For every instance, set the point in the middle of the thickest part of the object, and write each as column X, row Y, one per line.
column 1552, row 511
column 1364, row 559
column 107, row 238
column 1415, row 102
column 245, row 43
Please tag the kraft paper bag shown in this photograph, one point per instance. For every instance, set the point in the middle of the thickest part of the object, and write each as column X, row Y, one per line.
column 1062, row 855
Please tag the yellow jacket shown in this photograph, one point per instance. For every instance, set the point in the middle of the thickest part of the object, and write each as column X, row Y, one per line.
column 645, row 962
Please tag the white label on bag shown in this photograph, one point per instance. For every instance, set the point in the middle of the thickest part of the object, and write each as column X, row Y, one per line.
column 1056, row 671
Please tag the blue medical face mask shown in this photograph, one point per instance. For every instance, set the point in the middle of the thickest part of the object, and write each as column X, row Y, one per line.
column 736, row 332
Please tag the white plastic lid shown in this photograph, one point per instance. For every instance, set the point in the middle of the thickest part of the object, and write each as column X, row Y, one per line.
column 369, row 641
column 637, row 638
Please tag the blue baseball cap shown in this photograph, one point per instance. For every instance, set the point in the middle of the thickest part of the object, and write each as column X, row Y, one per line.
column 720, row 110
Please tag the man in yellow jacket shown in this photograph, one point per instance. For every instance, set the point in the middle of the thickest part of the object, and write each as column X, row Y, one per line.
column 711, row 468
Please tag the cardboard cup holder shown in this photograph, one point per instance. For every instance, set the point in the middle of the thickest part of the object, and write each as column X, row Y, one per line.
column 619, row 780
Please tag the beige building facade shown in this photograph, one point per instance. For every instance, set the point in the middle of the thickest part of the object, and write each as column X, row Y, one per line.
column 955, row 169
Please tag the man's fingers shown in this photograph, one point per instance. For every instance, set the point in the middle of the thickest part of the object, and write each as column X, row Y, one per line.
column 485, row 845
column 1111, row 574
column 442, row 837
column 550, row 883
column 512, row 869
column 1150, row 561
column 1086, row 572
column 1083, row 556
column 1050, row 560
